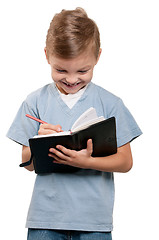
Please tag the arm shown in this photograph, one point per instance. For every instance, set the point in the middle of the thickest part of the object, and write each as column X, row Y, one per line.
column 119, row 162
column 26, row 154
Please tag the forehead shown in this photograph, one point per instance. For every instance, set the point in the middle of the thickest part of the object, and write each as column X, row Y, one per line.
column 85, row 59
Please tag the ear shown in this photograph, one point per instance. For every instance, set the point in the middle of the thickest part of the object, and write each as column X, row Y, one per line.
column 100, row 51
column 47, row 58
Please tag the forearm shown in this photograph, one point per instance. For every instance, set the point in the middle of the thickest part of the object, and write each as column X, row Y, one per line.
column 119, row 162
column 26, row 154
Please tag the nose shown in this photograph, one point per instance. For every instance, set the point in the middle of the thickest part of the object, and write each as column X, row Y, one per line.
column 72, row 79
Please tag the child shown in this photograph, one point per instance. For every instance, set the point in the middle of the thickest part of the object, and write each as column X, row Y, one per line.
column 73, row 205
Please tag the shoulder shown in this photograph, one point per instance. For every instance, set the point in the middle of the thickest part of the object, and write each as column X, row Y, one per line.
column 108, row 100
column 111, row 104
column 40, row 94
column 105, row 94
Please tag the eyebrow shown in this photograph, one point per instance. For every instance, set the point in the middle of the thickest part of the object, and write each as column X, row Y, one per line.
column 85, row 67
column 56, row 66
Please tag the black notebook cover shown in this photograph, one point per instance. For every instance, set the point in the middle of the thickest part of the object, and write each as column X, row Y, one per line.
column 102, row 133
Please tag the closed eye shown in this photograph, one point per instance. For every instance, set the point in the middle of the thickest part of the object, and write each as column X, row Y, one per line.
column 84, row 71
column 64, row 71
column 60, row 71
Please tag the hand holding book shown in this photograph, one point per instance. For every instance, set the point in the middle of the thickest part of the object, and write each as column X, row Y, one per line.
column 80, row 159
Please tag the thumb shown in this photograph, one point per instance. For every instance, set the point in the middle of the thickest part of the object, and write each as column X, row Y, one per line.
column 90, row 146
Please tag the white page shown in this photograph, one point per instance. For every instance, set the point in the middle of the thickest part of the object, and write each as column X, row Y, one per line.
column 87, row 124
column 53, row 134
column 85, row 117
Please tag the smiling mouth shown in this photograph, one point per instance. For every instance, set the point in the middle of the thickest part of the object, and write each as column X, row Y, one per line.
column 71, row 85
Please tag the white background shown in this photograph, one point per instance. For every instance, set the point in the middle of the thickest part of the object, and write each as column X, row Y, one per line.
column 128, row 67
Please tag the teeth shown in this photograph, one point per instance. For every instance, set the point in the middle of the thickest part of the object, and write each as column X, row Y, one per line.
column 77, row 83
column 71, row 84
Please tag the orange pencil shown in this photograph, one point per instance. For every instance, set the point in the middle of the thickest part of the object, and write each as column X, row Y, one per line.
column 34, row 118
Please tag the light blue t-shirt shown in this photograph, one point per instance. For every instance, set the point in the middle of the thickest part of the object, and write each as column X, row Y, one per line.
column 72, row 201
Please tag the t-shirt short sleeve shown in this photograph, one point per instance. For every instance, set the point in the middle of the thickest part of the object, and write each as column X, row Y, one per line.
column 22, row 127
column 126, row 126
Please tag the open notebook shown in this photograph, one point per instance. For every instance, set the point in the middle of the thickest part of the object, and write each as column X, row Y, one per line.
column 88, row 118
column 87, row 126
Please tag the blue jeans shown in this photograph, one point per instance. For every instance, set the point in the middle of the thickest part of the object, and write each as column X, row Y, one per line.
column 40, row 234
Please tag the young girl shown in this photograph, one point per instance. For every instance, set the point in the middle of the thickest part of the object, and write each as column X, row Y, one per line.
column 73, row 205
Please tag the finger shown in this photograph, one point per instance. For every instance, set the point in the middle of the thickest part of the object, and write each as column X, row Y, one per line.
column 60, row 155
column 56, row 128
column 90, row 146
column 49, row 129
column 57, row 159
column 66, row 151
column 54, row 156
column 43, row 131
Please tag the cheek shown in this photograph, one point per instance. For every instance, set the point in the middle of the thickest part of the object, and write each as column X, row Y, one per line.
column 55, row 76
column 87, row 77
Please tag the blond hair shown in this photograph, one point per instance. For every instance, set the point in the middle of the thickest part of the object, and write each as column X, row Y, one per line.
column 70, row 33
